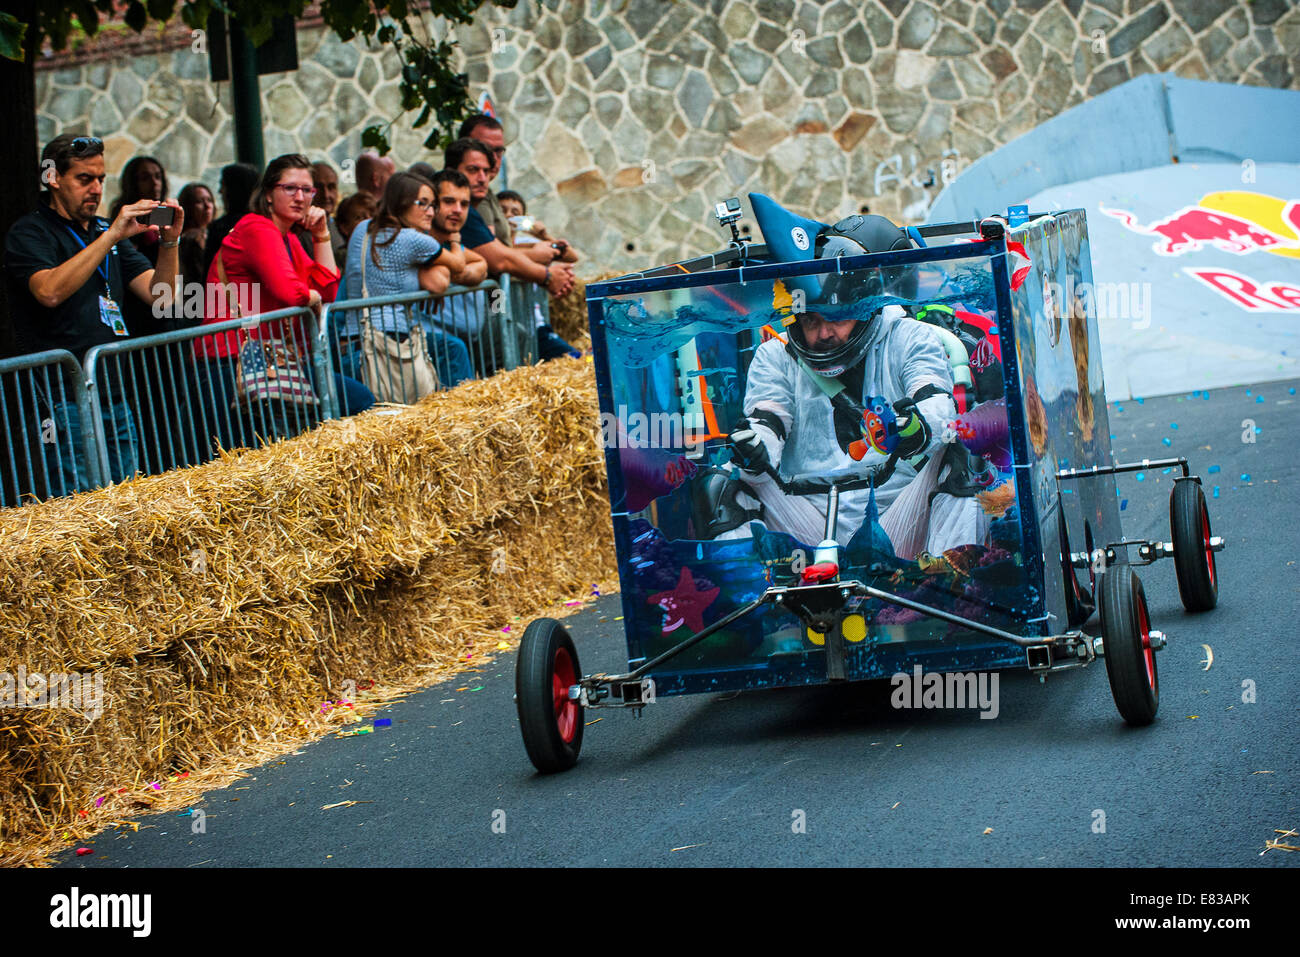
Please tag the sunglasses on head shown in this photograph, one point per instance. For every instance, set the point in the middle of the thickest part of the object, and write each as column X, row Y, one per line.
column 86, row 144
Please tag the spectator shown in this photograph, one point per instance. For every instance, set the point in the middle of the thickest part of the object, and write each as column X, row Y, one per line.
column 471, row 158
column 259, row 258
column 355, row 209
column 424, row 169
column 327, row 198
column 238, row 180
column 69, row 272
column 461, row 314
column 488, row 131
column 525, row 230
column 402, row 258
column 200, row 207
column 373, row 172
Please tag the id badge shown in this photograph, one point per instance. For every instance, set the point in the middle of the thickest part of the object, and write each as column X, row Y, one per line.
column 110, row 314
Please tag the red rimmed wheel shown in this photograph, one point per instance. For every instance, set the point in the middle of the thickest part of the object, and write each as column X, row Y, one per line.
column 551, row 722
column 1189, row 523
column 1126, row 641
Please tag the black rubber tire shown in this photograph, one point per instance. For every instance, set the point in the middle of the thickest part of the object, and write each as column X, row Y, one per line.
column 1079, row 604
column 1189, row 523
column 1130, row 662
column 552, row 728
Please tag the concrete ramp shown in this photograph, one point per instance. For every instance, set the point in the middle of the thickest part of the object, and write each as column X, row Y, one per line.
column 1192, row 192
column 1197, row 274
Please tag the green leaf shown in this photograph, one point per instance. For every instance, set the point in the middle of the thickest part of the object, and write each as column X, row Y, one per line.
column 372, row 137
column 161, row 10
column 12, row 33
column 136, row 16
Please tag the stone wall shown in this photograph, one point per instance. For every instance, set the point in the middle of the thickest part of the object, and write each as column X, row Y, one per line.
column 627, row 120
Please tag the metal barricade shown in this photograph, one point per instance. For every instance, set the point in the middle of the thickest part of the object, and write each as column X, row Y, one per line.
column 176, row 399
column 459, row 337
column 43, row 406
column 530, row 304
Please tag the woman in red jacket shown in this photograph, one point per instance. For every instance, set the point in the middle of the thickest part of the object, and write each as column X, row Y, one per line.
column 262, row 266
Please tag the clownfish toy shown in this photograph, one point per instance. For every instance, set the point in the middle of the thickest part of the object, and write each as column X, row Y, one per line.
column 882, row 429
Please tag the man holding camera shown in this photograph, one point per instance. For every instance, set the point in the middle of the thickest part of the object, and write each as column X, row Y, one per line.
column 69, row 273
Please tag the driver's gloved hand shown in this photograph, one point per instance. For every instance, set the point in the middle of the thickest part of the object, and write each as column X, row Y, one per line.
column 748, row 450
column 913, row 430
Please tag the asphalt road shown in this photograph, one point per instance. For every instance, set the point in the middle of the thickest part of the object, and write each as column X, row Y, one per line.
column 719, row 780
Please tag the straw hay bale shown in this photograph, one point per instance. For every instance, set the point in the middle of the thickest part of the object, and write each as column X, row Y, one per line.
column 222, row 603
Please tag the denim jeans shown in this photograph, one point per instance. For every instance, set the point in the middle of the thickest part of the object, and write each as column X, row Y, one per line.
column 65, row 457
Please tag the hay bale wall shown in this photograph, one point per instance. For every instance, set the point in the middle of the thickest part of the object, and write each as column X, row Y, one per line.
column 223, row 602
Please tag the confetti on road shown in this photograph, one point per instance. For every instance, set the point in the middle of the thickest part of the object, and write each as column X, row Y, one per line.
column 330, row 807
column 1245, row 476
column 83, row 851
column 988, row 830
column 1123, row 505
column 1213, row 470
column 1141, row 476
column 686, row 847
column 1216, row 491
column 1209, row 657
column 590, row 723
column 383, row 722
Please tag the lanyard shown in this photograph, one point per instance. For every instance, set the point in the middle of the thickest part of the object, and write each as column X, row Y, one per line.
column 101, row 267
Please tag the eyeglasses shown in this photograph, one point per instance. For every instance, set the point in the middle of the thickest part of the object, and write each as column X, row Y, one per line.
column 86, row 144
column 308, row 191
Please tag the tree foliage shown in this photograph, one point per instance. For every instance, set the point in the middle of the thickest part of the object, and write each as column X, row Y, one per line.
column 430, row 81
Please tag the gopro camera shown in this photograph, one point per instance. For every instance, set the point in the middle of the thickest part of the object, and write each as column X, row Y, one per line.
column 728, row 212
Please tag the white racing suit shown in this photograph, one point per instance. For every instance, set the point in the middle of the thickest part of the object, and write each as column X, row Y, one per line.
column 902, row 356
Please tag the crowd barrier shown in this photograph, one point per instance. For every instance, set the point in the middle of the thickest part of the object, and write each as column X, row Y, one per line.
column 176, row 399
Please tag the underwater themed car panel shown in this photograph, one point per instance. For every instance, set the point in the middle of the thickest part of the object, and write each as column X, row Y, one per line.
column 680, row 360
column 1054, row 310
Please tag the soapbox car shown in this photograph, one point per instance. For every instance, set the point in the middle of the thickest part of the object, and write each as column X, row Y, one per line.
column 982, row 537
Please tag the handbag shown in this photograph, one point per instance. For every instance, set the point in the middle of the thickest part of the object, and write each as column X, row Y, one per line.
column 394, row 371
column 268, row 368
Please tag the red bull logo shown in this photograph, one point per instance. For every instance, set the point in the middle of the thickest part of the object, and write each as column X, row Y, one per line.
column 1236, row 222
column 1194, row 228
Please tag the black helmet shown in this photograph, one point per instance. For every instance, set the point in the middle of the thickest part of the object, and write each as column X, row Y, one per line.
column 854, row 236
column 838, row 359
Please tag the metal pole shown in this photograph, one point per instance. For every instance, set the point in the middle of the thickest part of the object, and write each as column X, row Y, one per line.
column 246, row 91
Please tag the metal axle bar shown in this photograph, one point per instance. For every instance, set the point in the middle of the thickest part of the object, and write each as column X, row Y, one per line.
column 1066, row 474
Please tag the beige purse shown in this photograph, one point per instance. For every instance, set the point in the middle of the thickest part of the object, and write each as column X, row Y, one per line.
column 394, row 371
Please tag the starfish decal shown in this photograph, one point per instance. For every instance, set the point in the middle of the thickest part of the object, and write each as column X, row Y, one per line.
column 685, row 604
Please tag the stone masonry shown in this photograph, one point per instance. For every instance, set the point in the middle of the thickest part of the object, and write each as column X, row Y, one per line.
column 626, row 120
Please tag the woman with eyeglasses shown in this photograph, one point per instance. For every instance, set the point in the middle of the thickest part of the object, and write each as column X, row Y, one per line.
column 390, row 254
column 200, row 208
column 260, row 268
